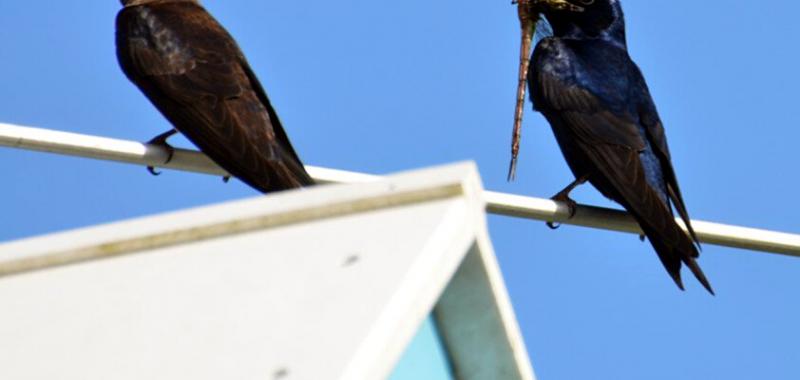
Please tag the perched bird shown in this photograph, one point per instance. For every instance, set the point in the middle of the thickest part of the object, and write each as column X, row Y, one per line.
column 193, row 71
column 597, row 102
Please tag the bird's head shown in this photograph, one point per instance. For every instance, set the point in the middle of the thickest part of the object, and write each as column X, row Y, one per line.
column 583, row 18
column 133, row 3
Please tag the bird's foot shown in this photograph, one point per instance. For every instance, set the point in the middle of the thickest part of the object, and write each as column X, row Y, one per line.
column 226, row 179
column 161, row 140
column 563, row 197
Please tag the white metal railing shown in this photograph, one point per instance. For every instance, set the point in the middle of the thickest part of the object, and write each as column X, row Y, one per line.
column 102, row 148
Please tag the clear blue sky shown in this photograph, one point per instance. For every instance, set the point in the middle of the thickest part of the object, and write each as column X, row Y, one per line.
column 382, row 86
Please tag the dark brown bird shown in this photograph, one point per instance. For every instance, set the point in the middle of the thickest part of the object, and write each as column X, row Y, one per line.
column 193, row 71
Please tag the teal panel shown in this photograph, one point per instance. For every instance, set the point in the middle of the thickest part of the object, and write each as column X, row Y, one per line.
column 425, row 358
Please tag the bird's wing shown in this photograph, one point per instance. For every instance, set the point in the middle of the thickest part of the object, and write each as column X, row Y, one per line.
column 648, row 116
column 194, row 72
column 592, row 120
column 280, row 133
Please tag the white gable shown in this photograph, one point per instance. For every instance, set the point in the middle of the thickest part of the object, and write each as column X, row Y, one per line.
column 326, row 283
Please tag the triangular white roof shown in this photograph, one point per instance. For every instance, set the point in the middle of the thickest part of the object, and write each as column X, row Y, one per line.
column 325, row 283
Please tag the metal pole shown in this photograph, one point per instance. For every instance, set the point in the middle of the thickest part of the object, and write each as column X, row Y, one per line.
column 132, row 152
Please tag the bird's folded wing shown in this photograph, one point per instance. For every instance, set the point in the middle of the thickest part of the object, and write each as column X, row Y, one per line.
column 588, row 116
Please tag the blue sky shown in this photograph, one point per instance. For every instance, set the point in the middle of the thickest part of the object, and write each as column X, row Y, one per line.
column 382, row 86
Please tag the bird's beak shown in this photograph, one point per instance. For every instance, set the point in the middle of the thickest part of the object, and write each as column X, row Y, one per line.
column 560, row 5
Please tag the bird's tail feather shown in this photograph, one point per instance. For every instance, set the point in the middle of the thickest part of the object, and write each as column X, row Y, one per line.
column 672, row 252
column 625, row 182
column 288, row 172
column 672, row 244
column 277, row 170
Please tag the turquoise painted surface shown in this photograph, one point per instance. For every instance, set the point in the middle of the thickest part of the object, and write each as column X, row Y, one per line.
column 425, row 358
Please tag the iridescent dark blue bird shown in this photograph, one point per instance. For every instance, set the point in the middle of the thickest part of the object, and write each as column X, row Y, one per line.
column 597, row 102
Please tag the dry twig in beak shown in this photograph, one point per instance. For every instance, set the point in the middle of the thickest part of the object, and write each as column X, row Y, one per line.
column 527, row 18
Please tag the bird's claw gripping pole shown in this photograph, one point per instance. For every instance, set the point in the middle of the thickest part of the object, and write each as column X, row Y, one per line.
column 527, row 18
